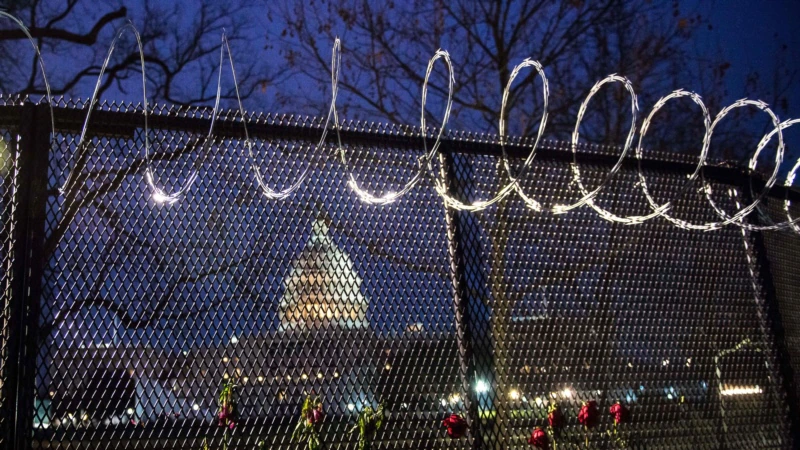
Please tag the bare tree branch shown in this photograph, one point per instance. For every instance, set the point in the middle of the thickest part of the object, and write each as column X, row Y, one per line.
column 49, row 32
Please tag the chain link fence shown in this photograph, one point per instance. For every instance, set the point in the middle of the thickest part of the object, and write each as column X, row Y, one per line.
column 128, row 314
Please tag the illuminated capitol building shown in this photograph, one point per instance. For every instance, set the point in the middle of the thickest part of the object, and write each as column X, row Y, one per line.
column 324, row 345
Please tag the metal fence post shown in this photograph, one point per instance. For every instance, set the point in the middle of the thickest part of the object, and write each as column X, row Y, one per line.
column 455, row 245
column 770, row 320
column 27, row 266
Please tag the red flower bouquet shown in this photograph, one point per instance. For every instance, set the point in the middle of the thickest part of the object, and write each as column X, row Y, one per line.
column 589, row 415
column 456, row 426
column 619, row 412
column 539, row 439
column 307, row 428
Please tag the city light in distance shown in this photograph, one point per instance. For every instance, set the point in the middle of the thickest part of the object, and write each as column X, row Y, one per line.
column 481, row 387
column 514, row 394
column 741, row 390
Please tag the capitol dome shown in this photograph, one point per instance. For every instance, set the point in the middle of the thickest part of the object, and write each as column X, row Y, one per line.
column 323, row 289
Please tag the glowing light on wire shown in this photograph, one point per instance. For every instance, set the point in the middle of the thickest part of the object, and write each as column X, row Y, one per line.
column 440, row 185
column 425, row 162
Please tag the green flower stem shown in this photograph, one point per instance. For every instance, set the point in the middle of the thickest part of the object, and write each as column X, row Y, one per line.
column 552, row 432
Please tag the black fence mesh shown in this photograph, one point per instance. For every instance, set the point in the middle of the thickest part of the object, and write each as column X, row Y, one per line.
column 579, row 309
column 783, row 269
column 148, row 307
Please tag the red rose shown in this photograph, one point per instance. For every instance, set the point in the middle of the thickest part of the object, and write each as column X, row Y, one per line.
column 588, row 416
column 555, row 418
column 226, row 417
column 538, row 439
column 316, row 415
column 619, row 412
column 456, row 426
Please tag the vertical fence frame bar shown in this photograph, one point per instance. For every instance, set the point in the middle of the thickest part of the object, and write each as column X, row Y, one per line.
column 28, row 265
column 9, row 363
column 784, row 368
column 464, row 336
column 771, row 321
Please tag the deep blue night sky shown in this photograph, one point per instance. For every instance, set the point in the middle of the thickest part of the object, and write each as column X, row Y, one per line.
column 750, row 35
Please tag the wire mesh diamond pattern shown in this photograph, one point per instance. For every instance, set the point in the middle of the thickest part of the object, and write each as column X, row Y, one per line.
column 149, row 306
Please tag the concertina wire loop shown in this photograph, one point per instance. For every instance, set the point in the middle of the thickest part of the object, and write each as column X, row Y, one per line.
column 426, row 160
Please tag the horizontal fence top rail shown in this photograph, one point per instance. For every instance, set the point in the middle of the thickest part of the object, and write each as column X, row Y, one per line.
column 123, row 120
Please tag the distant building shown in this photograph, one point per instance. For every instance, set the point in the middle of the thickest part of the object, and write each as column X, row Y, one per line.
column 323, row 289
column 324, row 345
